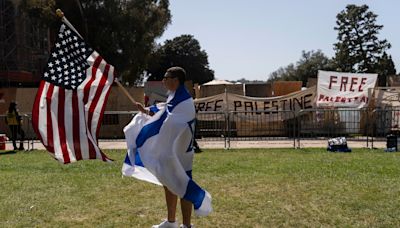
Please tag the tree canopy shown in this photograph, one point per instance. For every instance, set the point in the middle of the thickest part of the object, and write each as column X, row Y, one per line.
column 308, row 66
column 358, row 48
column 183, row 51
column 122, row 31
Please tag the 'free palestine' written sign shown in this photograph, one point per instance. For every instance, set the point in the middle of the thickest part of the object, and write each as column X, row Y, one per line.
column 337, row 89
column 257, row 106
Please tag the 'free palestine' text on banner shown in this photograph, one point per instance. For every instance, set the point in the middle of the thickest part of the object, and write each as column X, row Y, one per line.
column 349, row 90
column 251, row 105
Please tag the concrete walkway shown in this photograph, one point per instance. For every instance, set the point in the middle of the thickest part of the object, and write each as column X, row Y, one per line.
column 220, row 144
column 285, row 144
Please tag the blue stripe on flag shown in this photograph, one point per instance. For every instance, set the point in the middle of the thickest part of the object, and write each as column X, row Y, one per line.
column 154, row 108
column 194, row 194
column 189, row 173
column 153, row 128
column 181, row 94
column 138, row 161
column 150, row 130
column 127, row 160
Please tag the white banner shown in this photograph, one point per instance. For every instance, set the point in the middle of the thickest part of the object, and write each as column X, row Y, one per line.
column 254, row 116
column 387, row 98
column 337, row 89
column 264, row 106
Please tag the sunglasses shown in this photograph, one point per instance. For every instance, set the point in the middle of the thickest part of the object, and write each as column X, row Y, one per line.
column 166, row 77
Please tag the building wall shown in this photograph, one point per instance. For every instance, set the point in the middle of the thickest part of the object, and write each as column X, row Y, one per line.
column 258, row 90
column 211, row 90
column 6, row 96
column 112, row 123
column 118, row 101
column 281, row 88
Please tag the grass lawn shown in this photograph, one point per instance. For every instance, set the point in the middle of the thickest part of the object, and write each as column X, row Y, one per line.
column 250, row 188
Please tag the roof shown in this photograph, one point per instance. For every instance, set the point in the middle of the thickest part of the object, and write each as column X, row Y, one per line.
column 218, row 82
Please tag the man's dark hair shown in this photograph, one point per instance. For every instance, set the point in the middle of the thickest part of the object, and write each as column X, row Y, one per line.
column 179, row 73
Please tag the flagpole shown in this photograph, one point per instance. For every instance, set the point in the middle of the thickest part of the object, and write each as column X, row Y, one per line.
column 125, row 91
column 60, row 14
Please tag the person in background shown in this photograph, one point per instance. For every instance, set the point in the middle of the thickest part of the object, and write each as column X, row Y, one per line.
column 14, row 121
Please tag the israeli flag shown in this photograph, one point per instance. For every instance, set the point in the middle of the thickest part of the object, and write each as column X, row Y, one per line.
column 160, row 149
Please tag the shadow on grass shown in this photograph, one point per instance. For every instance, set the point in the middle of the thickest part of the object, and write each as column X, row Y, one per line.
column 8, row 152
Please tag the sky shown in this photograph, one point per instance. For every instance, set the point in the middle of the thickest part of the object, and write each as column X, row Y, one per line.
column 251, row 39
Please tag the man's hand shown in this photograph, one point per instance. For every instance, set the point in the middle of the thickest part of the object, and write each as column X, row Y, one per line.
column 142, row 109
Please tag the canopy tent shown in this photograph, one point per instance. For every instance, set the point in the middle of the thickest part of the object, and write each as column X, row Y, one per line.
column 217, row 82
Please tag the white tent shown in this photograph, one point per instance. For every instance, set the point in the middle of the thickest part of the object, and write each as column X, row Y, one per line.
column 217, row 82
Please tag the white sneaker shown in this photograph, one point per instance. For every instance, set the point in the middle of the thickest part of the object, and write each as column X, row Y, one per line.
column 184, row 226
column 166, row 224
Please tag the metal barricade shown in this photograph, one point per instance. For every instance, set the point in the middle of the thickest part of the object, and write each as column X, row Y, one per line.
column 367, row 127
column 113, row 124
column 322, row 124
column 212, row 126
column 262, row 126
column 384, row 122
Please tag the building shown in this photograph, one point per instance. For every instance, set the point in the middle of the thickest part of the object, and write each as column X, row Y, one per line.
column 24, row 46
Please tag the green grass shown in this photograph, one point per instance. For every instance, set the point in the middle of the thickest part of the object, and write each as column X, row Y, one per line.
column 250, row 188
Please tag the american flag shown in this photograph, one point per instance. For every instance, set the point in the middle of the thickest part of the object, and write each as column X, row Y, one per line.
column 71, row 98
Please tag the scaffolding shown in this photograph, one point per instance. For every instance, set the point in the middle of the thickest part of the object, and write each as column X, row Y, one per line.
column 8, row 44
column 23, row 46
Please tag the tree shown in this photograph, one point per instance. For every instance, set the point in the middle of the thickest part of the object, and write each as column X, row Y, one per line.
column 308, row 66
column 358, row 48
column 310, row 63
column 287, row 73
column 41, row 10
column 384, row 68
column 184, row 51
column 246, row 81
column 122, row 31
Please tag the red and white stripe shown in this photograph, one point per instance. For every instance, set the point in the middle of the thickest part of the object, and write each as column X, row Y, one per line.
column 68, row 121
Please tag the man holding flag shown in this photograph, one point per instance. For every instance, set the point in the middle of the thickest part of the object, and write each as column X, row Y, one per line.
column 160, row 150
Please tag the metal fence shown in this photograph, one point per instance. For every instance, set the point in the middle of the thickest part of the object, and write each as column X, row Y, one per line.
column 354, row 124
column 289, row 128
column 262, row 126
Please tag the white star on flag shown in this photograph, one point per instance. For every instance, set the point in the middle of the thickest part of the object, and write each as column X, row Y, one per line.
column 69, row 106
